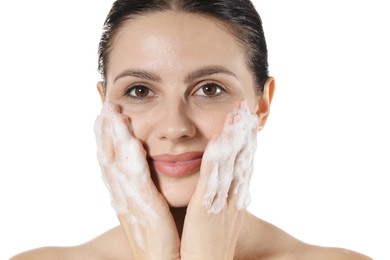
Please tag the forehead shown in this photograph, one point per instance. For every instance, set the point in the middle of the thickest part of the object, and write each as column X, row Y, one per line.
column 174, row 41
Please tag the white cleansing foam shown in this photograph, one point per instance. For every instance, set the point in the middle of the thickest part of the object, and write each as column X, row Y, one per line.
column 231, row 155
column 125, row 175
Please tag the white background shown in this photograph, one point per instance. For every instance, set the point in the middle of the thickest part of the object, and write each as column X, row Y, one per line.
column 323, row 157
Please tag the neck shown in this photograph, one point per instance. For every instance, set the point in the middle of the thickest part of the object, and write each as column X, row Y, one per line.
column 179, row 215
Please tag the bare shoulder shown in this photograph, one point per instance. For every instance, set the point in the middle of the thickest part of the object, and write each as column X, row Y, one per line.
column 316, row 252
column 60, row 253
column 266, row 241
column 109, row 245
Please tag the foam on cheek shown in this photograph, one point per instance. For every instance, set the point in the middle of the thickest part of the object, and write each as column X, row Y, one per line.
column 126, row 176
column 231, row 156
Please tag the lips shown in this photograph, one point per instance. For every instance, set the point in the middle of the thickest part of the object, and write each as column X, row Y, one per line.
column 177, row 165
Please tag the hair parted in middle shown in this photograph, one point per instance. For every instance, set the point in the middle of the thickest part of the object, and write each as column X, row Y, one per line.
column 239, row 16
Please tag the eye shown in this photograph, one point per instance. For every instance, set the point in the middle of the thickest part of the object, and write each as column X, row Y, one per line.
column 139, row 92
column 209, row 90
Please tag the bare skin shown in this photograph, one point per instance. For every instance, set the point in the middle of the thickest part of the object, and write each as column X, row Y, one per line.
column 258, row 245
column 175, row 118
column 231, row 233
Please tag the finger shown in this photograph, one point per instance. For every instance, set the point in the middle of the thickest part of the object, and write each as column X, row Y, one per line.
column 139, row 200
column 109, row 172
column 214, row 183
column 109, row 107
column 130, row 154
column 105, row 153
column 121, row 126
column 118, row 197
column 219, row 161
column 225, row 178
column 244, row 139
column 107, row 126
column 135, row 180
column 106, row 157
column 211, row 187
column 99, row 133
column 229, row 120
column 243, row 171
column 243, row 197
column 244, row 106
column 103, row 135
column 242, row 175
column 228, row 166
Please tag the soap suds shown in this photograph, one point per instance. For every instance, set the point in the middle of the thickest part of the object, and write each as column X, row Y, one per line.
column 125, row 169
column 125, row 175
column 231, row 155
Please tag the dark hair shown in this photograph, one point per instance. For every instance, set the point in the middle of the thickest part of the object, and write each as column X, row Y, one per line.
column 239, row 16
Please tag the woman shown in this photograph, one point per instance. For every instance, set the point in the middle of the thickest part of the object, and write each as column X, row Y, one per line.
column 185, row 89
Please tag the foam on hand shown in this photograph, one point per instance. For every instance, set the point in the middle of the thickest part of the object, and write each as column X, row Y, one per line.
column 126, row 173
column 231, row 155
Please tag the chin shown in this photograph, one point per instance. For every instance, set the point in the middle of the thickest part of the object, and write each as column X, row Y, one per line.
column 176, row 202
column 177, row 191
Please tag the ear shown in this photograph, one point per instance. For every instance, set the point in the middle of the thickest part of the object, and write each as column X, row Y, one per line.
column 100, row 88
column 264, row 102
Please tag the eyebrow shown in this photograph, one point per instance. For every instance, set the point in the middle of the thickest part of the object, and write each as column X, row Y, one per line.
column 138, row 74
column 208, row 71
column 199, row 73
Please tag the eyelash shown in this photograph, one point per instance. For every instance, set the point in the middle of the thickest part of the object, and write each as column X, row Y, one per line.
column 134, row 87
column 220, row 91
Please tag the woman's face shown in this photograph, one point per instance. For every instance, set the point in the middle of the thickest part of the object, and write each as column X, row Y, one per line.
column 176, row 76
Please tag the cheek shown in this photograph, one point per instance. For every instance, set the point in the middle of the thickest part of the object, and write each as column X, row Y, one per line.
column 210, row 122
column 141, row 124
column 207, row 120
column 207, row 123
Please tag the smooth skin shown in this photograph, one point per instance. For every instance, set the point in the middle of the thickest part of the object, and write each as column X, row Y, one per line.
column 190, row 72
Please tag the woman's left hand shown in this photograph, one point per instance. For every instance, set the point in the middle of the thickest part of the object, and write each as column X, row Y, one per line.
column 215, row 213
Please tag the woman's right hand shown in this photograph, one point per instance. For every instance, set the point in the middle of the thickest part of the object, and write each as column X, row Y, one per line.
column 142, row 210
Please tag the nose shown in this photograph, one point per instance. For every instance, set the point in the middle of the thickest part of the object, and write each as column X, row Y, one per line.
column 175, row 123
